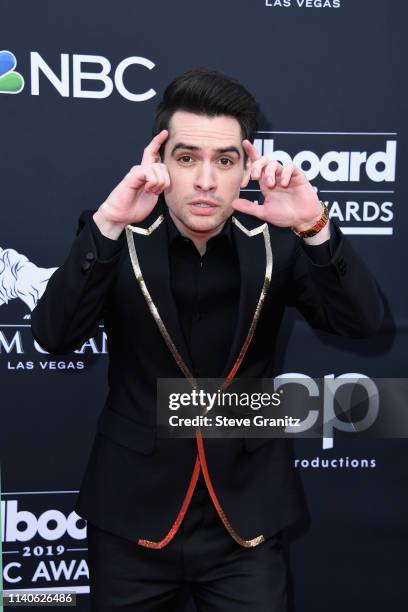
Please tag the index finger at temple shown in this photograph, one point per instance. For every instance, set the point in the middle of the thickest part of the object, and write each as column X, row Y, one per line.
column 250, row 150
column 151, row 152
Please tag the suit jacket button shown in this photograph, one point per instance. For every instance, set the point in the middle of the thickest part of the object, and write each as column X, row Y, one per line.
column 85, row 266
column 90, row 256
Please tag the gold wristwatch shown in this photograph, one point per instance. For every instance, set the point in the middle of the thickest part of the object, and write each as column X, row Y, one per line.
column 319, row 225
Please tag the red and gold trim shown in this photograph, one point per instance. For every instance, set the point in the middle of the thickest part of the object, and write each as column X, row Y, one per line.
column 201, row 458
column 201, row 453
column 180, row 516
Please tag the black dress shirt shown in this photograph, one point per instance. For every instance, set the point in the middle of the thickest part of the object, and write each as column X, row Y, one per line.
column 206, row 291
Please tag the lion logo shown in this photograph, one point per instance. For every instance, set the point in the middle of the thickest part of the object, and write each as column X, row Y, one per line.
column 20, row 278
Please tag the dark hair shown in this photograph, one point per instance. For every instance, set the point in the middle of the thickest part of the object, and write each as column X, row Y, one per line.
column 208, row 92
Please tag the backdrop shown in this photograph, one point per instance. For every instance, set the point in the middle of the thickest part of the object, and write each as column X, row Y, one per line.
column 79, row 83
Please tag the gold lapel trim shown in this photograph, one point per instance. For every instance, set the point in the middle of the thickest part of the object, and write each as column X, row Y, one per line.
column 267, row 280
column 156, row 315
column 149, row 230
column 184, row 368
column 249, row 233
column 152, row 306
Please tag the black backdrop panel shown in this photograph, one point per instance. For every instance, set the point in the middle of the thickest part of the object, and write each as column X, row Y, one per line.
column 329, row 76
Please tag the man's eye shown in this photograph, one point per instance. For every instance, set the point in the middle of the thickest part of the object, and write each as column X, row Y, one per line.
column 225, row 161
column 185, row 159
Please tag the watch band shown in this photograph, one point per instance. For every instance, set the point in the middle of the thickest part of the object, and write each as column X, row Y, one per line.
column 315, row 229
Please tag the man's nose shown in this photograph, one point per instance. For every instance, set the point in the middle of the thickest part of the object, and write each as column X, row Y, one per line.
column 205, row 179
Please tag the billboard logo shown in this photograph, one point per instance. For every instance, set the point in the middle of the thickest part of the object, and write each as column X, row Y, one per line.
column 51, row 525
column 338, row 166
column 44, row 542
column 11, row 82
column 355, row 173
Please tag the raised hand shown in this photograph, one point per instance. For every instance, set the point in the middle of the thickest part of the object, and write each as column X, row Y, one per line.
column 289, row 198
column 136, row 195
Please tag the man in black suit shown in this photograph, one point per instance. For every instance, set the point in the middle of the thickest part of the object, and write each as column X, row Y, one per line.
column 192, row 281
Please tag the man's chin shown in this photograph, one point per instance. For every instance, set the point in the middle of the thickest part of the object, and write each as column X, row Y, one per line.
column 204, row 224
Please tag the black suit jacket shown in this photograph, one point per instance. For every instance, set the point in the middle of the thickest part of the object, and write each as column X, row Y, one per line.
column 135, row 481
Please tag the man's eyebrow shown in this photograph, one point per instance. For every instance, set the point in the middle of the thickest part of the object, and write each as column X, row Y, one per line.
column 182, row 145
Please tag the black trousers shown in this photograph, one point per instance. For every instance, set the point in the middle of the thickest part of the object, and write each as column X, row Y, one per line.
column 220, row 574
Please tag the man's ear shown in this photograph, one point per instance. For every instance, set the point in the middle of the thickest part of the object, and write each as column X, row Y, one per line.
column 247, row 173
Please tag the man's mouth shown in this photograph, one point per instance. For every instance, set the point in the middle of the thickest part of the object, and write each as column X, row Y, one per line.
column 203, row 203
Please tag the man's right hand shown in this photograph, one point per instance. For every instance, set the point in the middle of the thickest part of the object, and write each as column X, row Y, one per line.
column 136, row 195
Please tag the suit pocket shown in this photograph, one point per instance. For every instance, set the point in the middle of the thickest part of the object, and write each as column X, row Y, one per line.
column 136, row 436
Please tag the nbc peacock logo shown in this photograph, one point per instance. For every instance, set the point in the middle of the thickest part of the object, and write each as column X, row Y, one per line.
column 11, row 82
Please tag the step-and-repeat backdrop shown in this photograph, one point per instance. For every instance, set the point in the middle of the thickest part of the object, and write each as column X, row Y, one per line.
column 79, row 83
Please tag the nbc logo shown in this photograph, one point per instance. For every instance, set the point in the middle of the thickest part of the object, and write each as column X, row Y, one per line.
column 11, row 82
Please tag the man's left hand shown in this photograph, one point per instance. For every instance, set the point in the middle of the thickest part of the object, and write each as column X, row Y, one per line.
column 289, row 198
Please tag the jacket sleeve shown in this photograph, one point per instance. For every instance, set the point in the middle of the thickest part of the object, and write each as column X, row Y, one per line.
column 338, row 296
column 322, row 253
column 71, row 308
